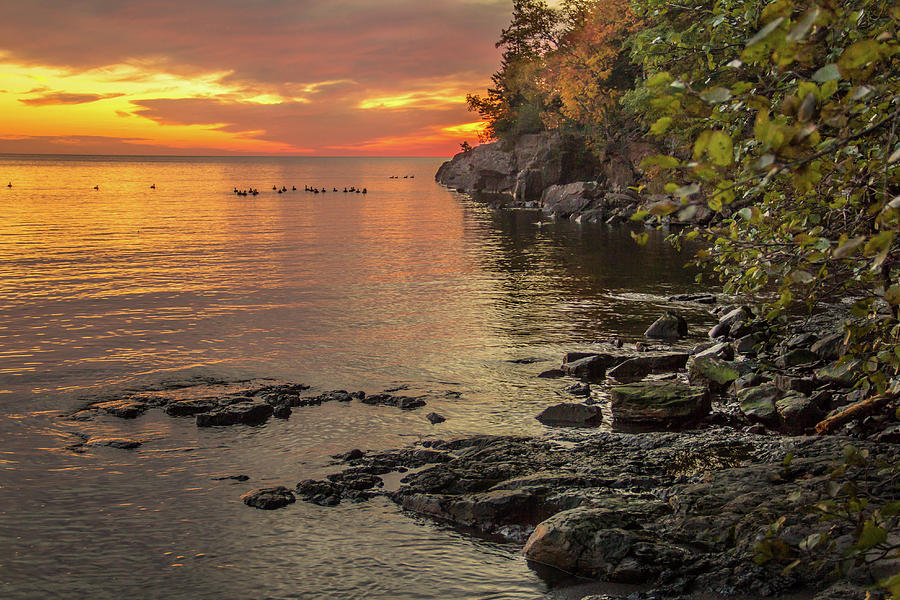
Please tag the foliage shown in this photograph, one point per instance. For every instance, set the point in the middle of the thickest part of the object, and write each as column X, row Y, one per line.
column 855, row 520
column 560, row 67
column 787, row 118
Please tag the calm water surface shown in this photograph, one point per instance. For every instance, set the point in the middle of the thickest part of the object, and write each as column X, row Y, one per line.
column 409, row 285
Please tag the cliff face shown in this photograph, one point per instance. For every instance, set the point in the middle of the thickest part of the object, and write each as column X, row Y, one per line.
column 522, row 170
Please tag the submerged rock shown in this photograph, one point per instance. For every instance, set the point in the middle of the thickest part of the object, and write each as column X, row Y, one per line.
column 435, row 418
column 245, row 412
column 572, row 415
column 699, row 298
column 114, row 442
column 401, row 402
column 269, row 498
column 658, row 405
column 124, row 409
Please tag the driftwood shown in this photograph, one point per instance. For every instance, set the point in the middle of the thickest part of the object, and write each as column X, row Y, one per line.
column 861, row 409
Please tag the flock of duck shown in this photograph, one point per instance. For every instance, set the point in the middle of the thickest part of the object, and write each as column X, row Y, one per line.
column 314, row 190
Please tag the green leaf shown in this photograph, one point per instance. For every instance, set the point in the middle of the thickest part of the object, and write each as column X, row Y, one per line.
column 765, row 32
column 660, row 79
column 716, row 95
column 687, row 190
column 829, row 72
column 871, row 535
column 802, row 27
column 661, row 160
column 721, row 149
column 858, row 55
column 640, row 238
column 892, row 295
column 701, row 143
column 879, row 243
column 849, row 247
column 640, row 215
column 661, row 126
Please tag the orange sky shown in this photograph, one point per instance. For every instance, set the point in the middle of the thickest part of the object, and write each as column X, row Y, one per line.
column 209, row 77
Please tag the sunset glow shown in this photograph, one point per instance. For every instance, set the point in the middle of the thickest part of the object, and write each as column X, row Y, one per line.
column 360, row 78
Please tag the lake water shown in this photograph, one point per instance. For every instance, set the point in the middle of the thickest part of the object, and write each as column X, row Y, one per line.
column 410, row 285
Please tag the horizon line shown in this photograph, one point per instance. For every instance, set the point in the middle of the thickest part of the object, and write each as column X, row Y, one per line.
column 217, row 155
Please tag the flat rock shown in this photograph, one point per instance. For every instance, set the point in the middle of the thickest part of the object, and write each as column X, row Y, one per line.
column 718, row 373
column 114, row 442
column 570, row 414
column 657, row 404
column 641, row 366
column 184, row 408
column 552, row 374
column 245, row 413
column 269, row 498
column 401, row 402
column 124, row 409
column 798, row 412
column 699, row 298
column 758, row 403
column 590, row 368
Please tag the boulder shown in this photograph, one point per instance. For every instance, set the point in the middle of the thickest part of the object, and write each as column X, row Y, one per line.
column 796, row 357
column 246, row 413
column 571, row 415
column 798, row 412
column 124, row 409
column 598, row 542
column 552, row 374
column 573, row 356
column 670, row 326
column 269, row 498
column 717, row 373
column 842, row 372
column 729, row 320
column 591, row 368
column 565, row 200
column 282, row 411
column 747, row 344
column 657, row 405
column 579, row 389
column 720, row 351
column 758, row 403
column 641, row 366
column 830, row 347
column 435, row 418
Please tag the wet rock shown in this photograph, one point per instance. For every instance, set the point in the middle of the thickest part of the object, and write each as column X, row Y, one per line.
column 233, row 477
column 269, row 498
column 355, row 480
column 800, row 340
column 843, row 372
column 579, row 389
column 571, row 415
column 747, row 344
column 720, row 351
column 641, row 366
column 670, row 326
column 803, row 385
column 185, row 408
column 798, row 412
column 573, row 356
column 747, row 381
column 113, row 442
column 796, row 357
column 323, row 493
column 715, row 372
column 124, row 409
column 758, row 403
column 354, row 454
column 552, row 374
column 282, row 411
column 658, row 405
column 729, row 320
column 830, row 347
column 435, row 418
column 699, row 298
column 595, row 542
column 844, row 591
column 246, row 413
column 336, row 396
column 401, row 402
column 591, row 368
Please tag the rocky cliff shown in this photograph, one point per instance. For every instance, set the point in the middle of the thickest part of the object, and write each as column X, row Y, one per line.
column 560, row 175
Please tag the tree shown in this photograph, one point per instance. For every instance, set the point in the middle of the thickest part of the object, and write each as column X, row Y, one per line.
column 788, row 117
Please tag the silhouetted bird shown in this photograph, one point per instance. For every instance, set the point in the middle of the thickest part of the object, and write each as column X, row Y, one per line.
column 334, row 190
column 365, row 191
column 152, row 186
column 10, row 184
column 293, row 188
column 96, row 187
column 274, row 188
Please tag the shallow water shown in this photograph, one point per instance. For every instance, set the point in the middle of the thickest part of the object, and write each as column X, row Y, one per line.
column 409, row 285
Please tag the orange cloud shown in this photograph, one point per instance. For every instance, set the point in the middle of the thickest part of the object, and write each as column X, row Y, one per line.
column 66, row 98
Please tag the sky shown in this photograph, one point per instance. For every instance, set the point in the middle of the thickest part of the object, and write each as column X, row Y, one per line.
column 244, row 77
